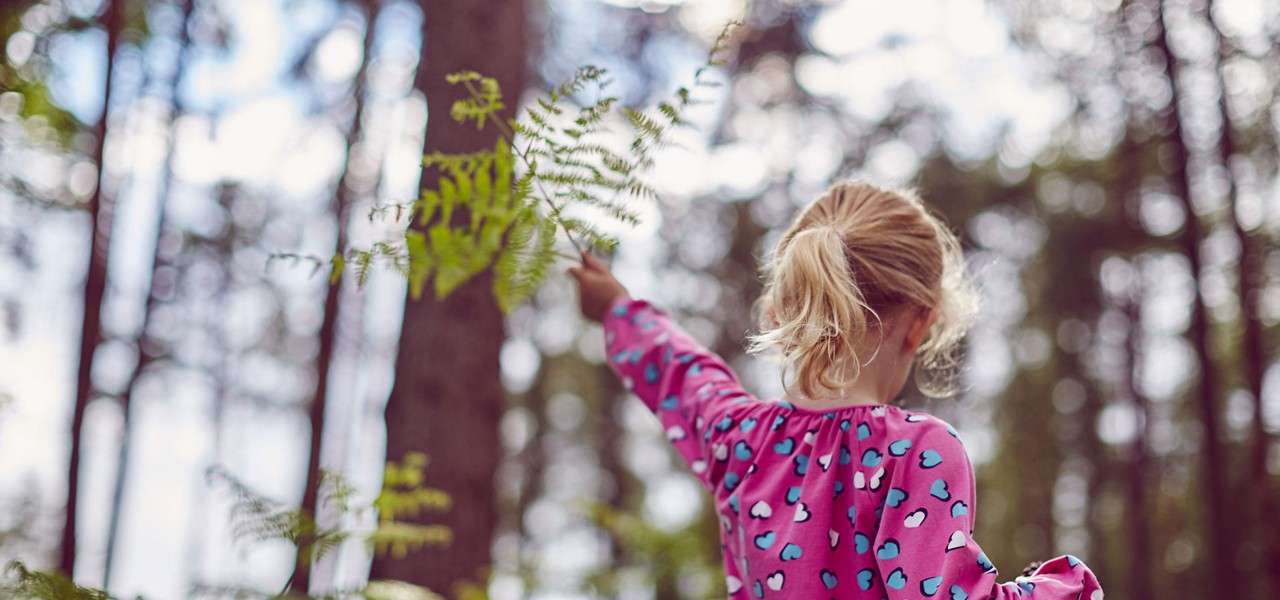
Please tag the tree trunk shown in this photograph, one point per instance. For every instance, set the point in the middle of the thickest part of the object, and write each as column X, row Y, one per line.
column 447, row 397
column 1248, row 280
column 1219, row 529
column 156, row 291
column 100, row 212
column 342, row 198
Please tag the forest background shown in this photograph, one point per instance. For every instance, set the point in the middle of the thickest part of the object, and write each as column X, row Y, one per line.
column 1111, row 166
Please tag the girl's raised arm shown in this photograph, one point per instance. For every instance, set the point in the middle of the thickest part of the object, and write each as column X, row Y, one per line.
column 687, row 386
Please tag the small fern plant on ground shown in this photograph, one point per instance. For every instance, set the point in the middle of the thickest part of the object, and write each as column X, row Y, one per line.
column 256, row 518
column 505, row 208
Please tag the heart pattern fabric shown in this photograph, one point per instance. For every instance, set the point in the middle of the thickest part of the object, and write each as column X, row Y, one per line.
column 859, row 502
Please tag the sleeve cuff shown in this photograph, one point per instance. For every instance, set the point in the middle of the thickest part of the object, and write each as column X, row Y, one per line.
column 618, row 307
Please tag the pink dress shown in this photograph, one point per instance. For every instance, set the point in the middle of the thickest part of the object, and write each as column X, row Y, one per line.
column 872, row 502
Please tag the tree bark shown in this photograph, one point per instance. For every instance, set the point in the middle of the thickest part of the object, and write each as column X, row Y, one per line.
column 100, row 213
column 1219, row 529
column 340, row 206
column 447, row 397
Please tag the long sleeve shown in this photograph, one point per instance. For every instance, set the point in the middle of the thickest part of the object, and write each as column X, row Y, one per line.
column 924, row 546
column 688, row 387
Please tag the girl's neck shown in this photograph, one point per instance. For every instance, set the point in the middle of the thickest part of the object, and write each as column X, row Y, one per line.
column 842, row 399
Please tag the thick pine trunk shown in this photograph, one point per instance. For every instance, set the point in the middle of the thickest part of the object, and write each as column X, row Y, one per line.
column 341, row 205
column 1219, row 532
column 447, row 397
column 100, row 210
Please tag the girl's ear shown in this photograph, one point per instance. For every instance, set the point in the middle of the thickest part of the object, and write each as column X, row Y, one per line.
column 921, row 320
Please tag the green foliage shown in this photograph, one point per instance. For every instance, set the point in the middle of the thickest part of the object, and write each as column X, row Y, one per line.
column 40, row 585
column 257, row 518
column 475, row 213
column 670, row 557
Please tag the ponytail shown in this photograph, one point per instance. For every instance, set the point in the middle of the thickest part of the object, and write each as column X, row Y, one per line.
column 848, row 257
column 817, row 311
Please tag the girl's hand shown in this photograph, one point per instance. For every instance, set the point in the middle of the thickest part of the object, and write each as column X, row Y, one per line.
column 597, row 289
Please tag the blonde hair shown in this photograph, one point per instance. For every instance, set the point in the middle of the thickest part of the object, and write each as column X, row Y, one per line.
column 852, row 254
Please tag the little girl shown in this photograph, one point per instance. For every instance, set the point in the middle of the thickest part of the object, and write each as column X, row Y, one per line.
column 831, row 491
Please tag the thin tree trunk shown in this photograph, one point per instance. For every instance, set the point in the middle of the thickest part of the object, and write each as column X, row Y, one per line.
column 1248, row 280
column 1139, row 527
column 447, row 397
column 100, row 212
column 156, row 291
column 1219, row 529
column 341, row 205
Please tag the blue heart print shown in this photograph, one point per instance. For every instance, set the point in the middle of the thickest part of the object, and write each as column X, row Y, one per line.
column 733, row 503
column 861, row 543
column 864, row 431
column 844, row 425
column 747, row 424
column 757, row 589
column 959, row 508
column 742, row 451
column 793, row 494
column 985, row 562
column 670, row 402
column 895, row 497
column 871, row 458
column 790, row 552
column 846, row 457
column 695, row 369
column 864, row 579
column 731, row 481
column 958, row 593
column 620, row 310
column 1027, row 587
column 888, row 550
column 724, row 424
column 930, row 458
column 651, row 373
column 930, row 586
column 785, row 447
column 802, row 464
column 829, row 579
column 836, row 488
column 777, row 422
column 899, row 447
column 666, row 355
column 1072, row 560
column 853, row 514
column 897, row 579
column 938, row 489
column 765, row 540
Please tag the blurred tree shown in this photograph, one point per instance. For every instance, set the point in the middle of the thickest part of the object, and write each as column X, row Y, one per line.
column 159, row 287
column 100, row 219
column 1249, row 281
column 447, row 397
column 341, row 208
column 1219, row 526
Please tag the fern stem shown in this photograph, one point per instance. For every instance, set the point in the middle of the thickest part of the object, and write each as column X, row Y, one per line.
column 510, row 138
